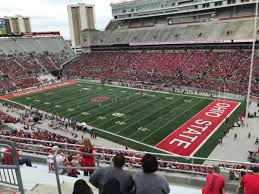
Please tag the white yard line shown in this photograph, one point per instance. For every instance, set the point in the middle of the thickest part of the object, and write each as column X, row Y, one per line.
column 146, row 116
column 88, row 98
column 172, row 120
column 114, row 134
column 118, row 110
column 146, row 126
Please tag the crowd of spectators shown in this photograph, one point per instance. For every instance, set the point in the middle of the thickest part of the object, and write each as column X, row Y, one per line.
column 38, row 135
column 215, row 70
column 20, row 71
column 254, row 156
column 27, row 82
column 5, row 118
column 10, row 84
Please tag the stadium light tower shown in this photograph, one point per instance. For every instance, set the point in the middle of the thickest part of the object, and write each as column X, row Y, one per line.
column 252, row 64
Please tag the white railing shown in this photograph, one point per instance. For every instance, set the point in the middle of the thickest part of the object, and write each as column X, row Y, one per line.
column 10, row 174
column 42, row 147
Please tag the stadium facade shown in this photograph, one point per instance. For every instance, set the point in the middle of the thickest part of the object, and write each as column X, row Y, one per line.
column 169, row 22
column 188, row 10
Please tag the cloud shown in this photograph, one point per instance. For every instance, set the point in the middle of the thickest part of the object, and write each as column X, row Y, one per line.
column 51, row 15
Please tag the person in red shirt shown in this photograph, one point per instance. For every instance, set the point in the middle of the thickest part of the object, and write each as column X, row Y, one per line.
column 8, row 160
column 250, row 183
column 69, row 163
column 87, row 160
column 215, row 183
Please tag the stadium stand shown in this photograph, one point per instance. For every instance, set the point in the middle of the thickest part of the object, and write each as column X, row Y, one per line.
column 201, row 69
column 5, row 118
column 24, row 58
column 17, row 45
column 216, row 31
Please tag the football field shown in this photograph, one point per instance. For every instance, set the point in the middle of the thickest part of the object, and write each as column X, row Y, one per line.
column 141, row 119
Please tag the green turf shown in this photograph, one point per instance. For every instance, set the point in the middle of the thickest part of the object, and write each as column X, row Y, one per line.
column 144, row 120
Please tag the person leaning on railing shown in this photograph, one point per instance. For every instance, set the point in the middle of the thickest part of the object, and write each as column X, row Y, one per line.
column 214, row 183
column 250, row 183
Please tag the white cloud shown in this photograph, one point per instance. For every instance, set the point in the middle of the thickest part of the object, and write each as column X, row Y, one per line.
column 51, row 15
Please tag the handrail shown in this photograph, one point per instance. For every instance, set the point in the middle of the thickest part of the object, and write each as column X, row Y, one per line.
column 132, row 151
column 99, row 155
column 18, row 181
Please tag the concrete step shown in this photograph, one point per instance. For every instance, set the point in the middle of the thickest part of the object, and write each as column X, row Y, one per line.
column 7, row 189
column 67, row 188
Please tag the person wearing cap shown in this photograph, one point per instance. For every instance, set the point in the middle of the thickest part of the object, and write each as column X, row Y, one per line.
column 250, row 183
column 102, row 176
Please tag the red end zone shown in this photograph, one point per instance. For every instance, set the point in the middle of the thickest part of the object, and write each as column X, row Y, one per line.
column 35, row 90
column 188, row 138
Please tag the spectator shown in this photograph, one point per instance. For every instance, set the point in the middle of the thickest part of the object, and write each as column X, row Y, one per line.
column 50, row 159
column 81, row 187
column 104, row 175
column 60, row 159
column 149, row 182
column 215, row 183
column 69, row 163
column 250, row 183
column 87, row 160
column 8, row 160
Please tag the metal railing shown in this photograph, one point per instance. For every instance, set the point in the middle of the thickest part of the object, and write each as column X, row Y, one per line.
column 65, row 146
column 10, row 174
column 63, row 168
column 106, row 158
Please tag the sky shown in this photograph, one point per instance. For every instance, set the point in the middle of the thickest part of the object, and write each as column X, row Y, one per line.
column 51, row 15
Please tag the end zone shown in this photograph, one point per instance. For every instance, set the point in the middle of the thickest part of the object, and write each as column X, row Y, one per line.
column 36, row 90
column 188, row 138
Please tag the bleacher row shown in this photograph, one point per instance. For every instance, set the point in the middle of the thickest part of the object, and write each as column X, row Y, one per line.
column 241, row 29
column 52, row 44
column 17, row 65
column 22, row 59
column 215, row 70
column 5, row 118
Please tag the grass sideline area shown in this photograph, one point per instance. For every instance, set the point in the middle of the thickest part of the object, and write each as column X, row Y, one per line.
column 140, row 119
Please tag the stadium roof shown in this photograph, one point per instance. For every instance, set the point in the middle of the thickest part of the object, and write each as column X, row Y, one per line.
column 121, row 1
